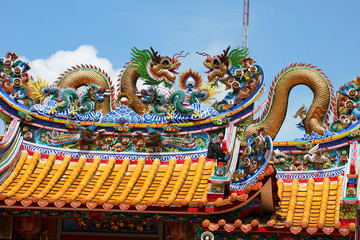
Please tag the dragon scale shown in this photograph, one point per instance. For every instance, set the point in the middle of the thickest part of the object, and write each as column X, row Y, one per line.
column 128, row 87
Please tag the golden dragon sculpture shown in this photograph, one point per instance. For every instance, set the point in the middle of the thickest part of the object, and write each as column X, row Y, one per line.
column 276, row 108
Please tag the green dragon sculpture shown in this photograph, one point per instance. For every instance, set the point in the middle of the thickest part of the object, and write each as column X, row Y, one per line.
column 92, row 96
column 81, row 89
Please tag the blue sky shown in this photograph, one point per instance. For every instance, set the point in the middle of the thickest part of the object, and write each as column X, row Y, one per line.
column 324, row 33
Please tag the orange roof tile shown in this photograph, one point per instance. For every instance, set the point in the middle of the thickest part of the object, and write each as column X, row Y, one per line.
column 45, row 181
column 311, row 206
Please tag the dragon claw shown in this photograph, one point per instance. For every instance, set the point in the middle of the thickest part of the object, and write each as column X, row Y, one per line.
column 52, row 110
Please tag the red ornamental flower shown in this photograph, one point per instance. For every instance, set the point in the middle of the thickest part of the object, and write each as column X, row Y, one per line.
column 216, row 140
column 235, row 86
column 137, row 148
column 104, row 147
column 352, row 93
column 150, row 150
column 318, row 166
column 7, row 63
column 349, row 104
column 17, row 70
column 347, row 209
column 239, row 73
column 297, row 162
column 343, row 158
column 158, row 149
column 120, row 129
column 17, row 82
column 140, row 142
column 28, row 135
column 253, row 69
column 109, row 139
column 125, row 140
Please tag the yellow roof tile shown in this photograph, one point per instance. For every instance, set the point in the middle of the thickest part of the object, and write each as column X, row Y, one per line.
column 310, row 204
column 94, row 183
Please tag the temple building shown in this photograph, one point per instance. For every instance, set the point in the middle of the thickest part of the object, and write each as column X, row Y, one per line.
column 90, row 157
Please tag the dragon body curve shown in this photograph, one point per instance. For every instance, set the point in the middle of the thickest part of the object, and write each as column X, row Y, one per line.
column 278, row 100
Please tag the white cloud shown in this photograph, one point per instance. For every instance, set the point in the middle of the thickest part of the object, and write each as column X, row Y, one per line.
column 51, row 68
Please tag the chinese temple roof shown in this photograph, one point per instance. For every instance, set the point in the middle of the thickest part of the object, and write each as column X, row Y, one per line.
column 93, row 183
column 90, row 144
column 90, row 183
column 304, row 206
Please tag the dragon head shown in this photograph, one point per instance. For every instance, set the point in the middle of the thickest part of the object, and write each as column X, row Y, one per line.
column 217, row 65
column 97, row 93
column 163, row 68
column 220, row 65
column 154, row 68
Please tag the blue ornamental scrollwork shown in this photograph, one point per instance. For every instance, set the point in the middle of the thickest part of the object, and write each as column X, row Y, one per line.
column 254, row 158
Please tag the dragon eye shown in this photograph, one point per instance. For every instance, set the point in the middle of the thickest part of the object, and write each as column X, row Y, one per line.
column 216, row 61
column 165, row 62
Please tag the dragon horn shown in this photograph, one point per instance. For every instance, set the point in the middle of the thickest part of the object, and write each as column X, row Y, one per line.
column 225, row 53
column 156, row 56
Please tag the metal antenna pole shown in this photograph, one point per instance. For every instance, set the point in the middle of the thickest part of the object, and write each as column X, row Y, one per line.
column 245, row 23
